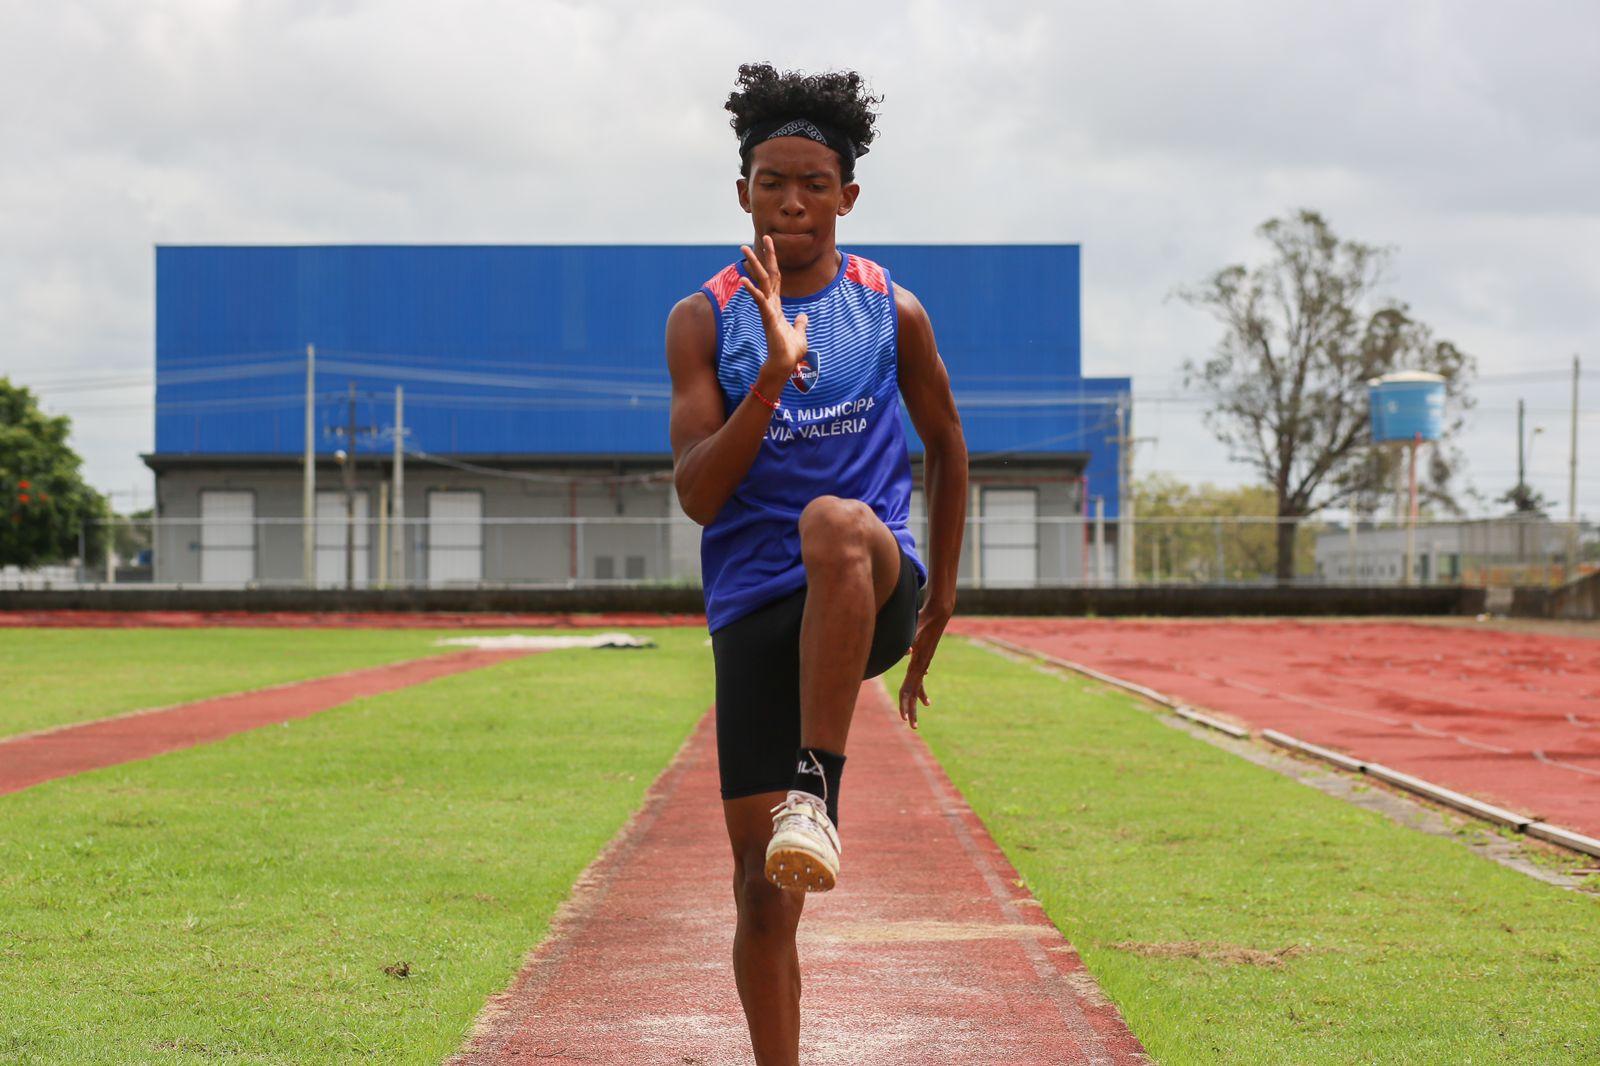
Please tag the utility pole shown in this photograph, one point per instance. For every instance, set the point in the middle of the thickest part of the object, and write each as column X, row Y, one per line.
column 398, row 570
column 1521, row 467
column 1572, row 456
column 1572, row 481
column 350, row 433
column 1124, row 503
column 308, row 500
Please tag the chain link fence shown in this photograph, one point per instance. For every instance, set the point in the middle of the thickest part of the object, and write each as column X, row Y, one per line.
column 224, row 551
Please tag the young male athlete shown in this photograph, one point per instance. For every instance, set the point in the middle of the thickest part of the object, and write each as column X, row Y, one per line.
column 788, row 370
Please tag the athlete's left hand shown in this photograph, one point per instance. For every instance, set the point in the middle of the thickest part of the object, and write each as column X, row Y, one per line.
column 930, row 627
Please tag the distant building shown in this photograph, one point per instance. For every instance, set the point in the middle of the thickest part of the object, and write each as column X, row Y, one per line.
column 535, row 410
column 1479, row 551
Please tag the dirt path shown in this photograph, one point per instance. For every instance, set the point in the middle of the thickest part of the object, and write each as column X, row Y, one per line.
column 37, row 757
column 926, row 953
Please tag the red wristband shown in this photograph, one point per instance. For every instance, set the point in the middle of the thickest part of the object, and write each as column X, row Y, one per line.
column 770, row 403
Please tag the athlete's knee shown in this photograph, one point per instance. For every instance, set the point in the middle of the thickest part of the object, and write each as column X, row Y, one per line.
column 835, row 532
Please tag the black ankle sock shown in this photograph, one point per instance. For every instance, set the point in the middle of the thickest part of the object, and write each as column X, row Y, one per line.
column 824, row 786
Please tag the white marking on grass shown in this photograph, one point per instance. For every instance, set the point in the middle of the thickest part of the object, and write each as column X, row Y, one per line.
column 522, row 642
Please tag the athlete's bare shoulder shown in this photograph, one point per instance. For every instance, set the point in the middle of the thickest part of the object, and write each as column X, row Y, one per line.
column 918, row 350
column 691, row 320
column 907, row 307
column 697, row 408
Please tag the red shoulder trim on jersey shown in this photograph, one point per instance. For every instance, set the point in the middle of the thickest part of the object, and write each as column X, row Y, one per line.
column 724, row 285
column 867, row 273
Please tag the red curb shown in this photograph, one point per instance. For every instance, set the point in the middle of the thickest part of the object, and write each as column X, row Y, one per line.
column 1509, row 718
column 318, row 620
column 34, row 758
column 926, row 953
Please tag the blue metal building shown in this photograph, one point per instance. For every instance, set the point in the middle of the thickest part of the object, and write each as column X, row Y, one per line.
column 549, row 358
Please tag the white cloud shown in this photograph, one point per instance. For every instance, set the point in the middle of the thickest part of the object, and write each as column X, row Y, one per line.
column 1159, row 135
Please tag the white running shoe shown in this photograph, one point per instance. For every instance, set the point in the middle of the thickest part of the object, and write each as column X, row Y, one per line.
column 804, row 852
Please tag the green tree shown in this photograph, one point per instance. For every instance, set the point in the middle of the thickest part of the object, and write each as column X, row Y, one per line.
column 1525, row 501
column 44, row 501
column 1205, row 533
column 1303, row 333
column 132, row 534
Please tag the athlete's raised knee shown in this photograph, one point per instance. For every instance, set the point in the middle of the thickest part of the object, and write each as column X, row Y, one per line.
column 835, row 530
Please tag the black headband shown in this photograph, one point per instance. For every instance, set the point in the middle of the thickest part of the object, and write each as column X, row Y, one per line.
column 802, row 127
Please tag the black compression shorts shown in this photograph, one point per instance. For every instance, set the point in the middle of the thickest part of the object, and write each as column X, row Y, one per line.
column 758, row 683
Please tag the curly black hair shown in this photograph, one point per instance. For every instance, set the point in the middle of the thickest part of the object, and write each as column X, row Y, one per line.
column 838, row 98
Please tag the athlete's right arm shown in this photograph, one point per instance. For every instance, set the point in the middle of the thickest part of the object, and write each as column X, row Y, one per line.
column 710, row 454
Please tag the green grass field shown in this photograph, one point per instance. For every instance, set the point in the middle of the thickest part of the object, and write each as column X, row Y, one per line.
column 54, row 676
column 1237, row 916
column 240, row 901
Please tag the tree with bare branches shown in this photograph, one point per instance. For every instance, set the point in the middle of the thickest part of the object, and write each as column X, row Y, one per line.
column 1303, row 333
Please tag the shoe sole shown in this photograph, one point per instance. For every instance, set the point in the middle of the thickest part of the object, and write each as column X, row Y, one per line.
column 799, row 871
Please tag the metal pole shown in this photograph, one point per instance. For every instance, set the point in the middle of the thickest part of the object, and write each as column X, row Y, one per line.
column 1350, row 553
column 1521, row 480
column 350, row 495
column 975, row 516
column 574, row 535
column 111, row 559
column 383, row 534
column 399, row 499
column 308, row 496
column 1222, row 562
column 1125, row 561
column 577, row 527
column 1411, row 513
column 1099, row 540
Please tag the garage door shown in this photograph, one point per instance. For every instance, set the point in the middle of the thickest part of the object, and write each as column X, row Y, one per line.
column 1010, row 536
column 227, row 537
column 455, row 538
column 331, row 525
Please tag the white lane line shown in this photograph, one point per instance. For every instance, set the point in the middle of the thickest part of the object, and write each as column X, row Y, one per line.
column 1442, row 735
column 1574, row 767
column 1290, row 698
column 1306, row 701
column 1451, row 701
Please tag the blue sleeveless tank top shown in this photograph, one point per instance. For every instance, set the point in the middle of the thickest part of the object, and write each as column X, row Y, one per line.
column 837, row 432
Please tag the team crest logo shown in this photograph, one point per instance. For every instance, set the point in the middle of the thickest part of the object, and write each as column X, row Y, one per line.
column 806, row 372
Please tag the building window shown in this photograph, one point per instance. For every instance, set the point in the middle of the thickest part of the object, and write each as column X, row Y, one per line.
column 635, row 568
column 605, row 568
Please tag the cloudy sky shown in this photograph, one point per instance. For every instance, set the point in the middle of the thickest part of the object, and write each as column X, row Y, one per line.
column 1158, row 135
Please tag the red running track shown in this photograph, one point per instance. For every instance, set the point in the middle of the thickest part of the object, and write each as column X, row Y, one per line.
column 927, row 952
column 33, row 758
column 1510, row 718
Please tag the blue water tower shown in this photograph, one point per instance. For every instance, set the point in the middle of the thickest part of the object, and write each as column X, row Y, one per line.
column 1406, row 406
